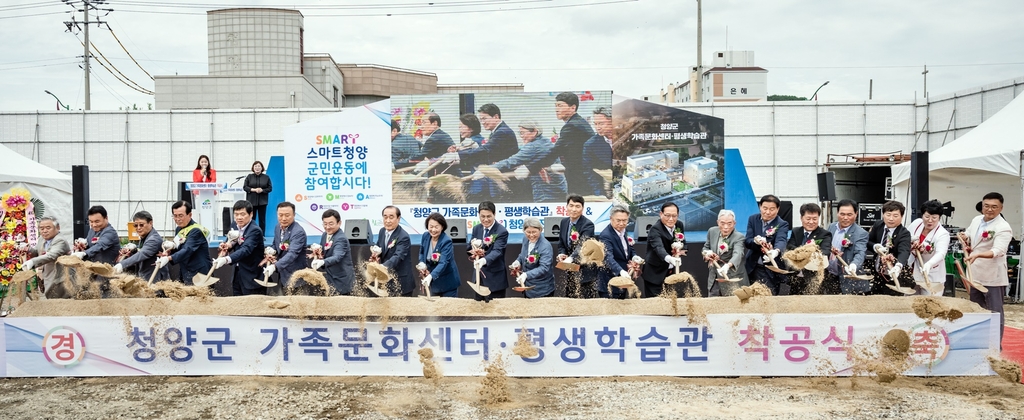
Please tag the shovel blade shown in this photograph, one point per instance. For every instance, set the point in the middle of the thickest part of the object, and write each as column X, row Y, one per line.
column 377, row 291
column 904, row 290
column 203, row 281
column 777, row 269
column 265, row 283
column 567, row 266
column 522, row 288
column 480, row 290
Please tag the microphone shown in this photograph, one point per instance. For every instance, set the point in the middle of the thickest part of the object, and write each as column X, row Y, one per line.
column 243, row 176
column 236, row 181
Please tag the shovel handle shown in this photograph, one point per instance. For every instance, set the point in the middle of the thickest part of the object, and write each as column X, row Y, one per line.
column 429, row 168
column 920, row 261
column 153, row 276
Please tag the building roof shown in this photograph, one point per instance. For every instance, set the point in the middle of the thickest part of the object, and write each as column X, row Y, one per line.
column 736, row 69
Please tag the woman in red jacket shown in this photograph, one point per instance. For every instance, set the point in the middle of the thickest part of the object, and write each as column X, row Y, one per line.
column 204, row 171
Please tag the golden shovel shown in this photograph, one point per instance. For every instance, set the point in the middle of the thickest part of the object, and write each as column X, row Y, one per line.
column 933, row 288
column 480, row 290
column 775, row 267
column 514, row 270
column 376, row 272
column 567, row 266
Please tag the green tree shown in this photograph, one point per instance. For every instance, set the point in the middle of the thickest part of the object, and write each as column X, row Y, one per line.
column 786, row 98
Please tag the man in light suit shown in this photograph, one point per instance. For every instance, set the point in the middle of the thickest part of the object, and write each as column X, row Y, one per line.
column 809, row 232
column 932, row 240
column 143, row 261
column 989, row 235
column 490, row 257
column 660, row 255
column 337, row 262
column 850, row 241
column 536, row 261
column 597, row 152
column 618, row 251
column 574, row 229
column 395, row 252
column 890, row 241
column 569, row 147
column 766, row 230
column 48, row 249
column 290, row 243
column 193, row 253
column 546, row 185
column 246, row 253
column 725, row 245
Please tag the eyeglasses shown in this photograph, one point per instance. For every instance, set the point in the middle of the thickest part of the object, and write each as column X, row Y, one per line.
column 138, row 225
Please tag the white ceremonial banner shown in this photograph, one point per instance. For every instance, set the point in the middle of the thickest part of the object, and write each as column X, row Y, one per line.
column 340, row 161
column 730, row 345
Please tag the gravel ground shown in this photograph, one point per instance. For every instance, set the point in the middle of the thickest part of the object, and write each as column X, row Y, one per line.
column 534, row 398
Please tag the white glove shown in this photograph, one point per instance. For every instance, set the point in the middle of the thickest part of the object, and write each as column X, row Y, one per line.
column 880, row 249
column 28, row 265
column 269, row 270
column 452, row 157
column 677, row 262
column 851, row 270
column 422, row 166
column 220, row 262
column 375, row 250
column 477, row 175
column 723, row 271
column 161, row 262
column 421, row 266
column 479, row 263
column 522, row 172
column 706, row 253
column 515, row 264
column 623, row 273
column 178, row 241
column 759, row 239
column 118, row 269
column 670, row 260
column 557, row 167
column 521, row 279
column 426, row 280
column 774, row 253
column 568, row 259
column 80, row 255
column 316, row 264
column 894, row 272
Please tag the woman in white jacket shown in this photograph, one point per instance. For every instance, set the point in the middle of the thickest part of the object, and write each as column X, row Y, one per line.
column 930, row 240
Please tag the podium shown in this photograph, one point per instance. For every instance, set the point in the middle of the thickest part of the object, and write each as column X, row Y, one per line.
column 204, row 212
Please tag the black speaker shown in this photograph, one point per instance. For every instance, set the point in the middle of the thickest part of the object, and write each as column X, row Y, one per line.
column 457, row 230
column 226, row 217
column 357, row 231
column 827, row 186
column 552, row 228
column 80, row 199
column 918, row 182
column 786, row 212
column 643, row 225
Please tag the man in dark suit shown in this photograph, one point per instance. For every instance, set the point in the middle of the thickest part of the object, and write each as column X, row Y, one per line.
column 500, row 145
column 394, row 244
column 766, row 231
column 337, row 253
column 290, row 244
column 246, row 253
column 618, row 251
column 143, row 262
column 437, row 144
column 661, row 257
column 403, row 146
column 101, row 242
column 890, row 241
column 573, row 230
column 569, row 147
column 597, row 152
column 491, row 255
column 809, row 232
column 193, row 253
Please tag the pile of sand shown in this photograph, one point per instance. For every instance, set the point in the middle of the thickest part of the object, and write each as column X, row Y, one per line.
column 681, row 277
column 524, row 346
column 1006, row 369
column 278, row 304
column 592, row 252
column 178, row 292
column 311, row 277
column 101, row 269
column 448, row 186
column 431, row 370
column 757, row 289
column 128, row 286
column 930, row 307
column 495, row 384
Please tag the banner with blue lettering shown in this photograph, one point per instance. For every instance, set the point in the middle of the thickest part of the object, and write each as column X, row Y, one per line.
column 631, row 345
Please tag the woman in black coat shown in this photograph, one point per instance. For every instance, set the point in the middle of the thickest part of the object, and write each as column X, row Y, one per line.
column 257, row 188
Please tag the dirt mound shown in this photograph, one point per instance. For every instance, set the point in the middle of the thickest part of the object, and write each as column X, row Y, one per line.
column 931, row 307
column 747, row 292
column 682, row 277
column 431, row 370
column 495, row 384
column 1007, row 369
column 178, row 292
column 592, row 252
column 127, row 286
column 311, row 277
column 278, row 304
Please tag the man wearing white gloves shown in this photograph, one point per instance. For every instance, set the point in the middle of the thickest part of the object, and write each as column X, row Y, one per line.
column 143, row 261
column 490, row 257
column 766, row 235
column 435, row 144
column 546, row 185
column 49, row 248
column 290, row 244
column 245, row 253
column 574, row 229
column 724, row 245
column 101, row 244
column 337, row 262
column 618, row 251
column 849, row 241
column 666, row 245
column 890, row 241
column 192, row 253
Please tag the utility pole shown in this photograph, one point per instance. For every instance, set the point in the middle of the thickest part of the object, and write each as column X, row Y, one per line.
column 86, row 6
column 925, row 73
column 698, row 89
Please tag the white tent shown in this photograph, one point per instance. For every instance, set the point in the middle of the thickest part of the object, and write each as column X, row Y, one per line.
column 988, row 158
column 46, row 184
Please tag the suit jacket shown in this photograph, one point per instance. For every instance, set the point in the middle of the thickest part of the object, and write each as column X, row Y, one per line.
column 500, row 145
column 855, row 252
column 938, row 240
column 798, row 240
column 597, row 154
column 404, row 146
column 733, row 254
column 495, row 273
column 569, row 148
column 435, row 145
column 546, row 186
column 51, row 273
column 778, row 238
column 990, row 271
column 540, row 273
column 338, row 262
column 444, row 273
column 102, row 246
column 192, row 256
column 144, row 259
column 294, row 258
column 585, row 228
column 900, row 241
column 395, row 257
column 257, row 181
column 659, row 246
column 616, row 258
column 246, row 256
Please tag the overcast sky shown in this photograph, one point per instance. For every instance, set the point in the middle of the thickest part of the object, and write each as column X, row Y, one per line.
column 631, row 47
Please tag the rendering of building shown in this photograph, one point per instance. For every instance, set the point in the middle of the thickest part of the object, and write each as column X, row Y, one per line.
column 642, row 186
column 661, row 160
column 700, row 171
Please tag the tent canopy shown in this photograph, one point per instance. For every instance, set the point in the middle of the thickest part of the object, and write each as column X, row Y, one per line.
column 18, row 168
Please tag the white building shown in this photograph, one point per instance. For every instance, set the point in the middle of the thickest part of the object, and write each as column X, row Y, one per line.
column 733, row 77
column 700, row 171
column 646, row 185
column 662, row 160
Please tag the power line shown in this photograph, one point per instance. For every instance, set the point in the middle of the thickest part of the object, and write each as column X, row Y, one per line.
column 129, row 54
column 438, row 4
column 40, row 65
column 414, row 13
column 126, row 80
column 34, row 14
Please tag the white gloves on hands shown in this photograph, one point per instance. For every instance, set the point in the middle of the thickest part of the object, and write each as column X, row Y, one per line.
column 706, row 253
column 760, row 240
column 452, row 157
column 568, row 259
column 723, row 271
column 80, row 255
column 220, row 262
column 269, row 270
column 479, row 263
column 515, row 264
column 522, row 172
column 674, row 261
column 118, row 269
column 623, row 273
column 894, row 272
column 880, row 249
column 422, row 266
column 375, row 250
column 557, row 167
column 521, row 279
column 161, row 262
column 426, row 280
column 851, row 269
column 28, row 265
column 316, row 264
column 422, row 166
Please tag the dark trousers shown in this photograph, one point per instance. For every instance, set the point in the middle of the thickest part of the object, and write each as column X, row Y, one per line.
column 993, row 301
column 766, row 277
column 260, row 214
column 574, row 289
column 653, row 290
column 552, row 294
column 495, row 294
